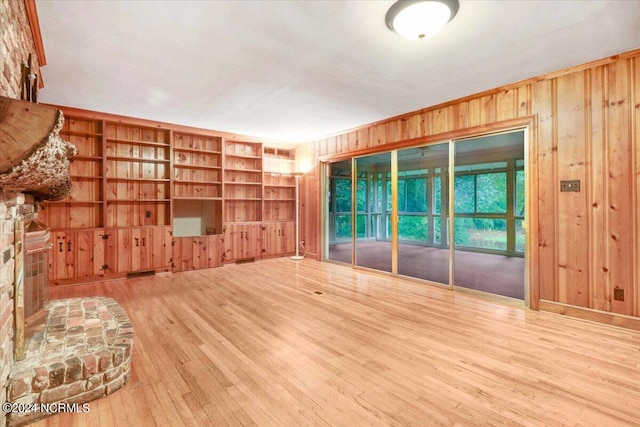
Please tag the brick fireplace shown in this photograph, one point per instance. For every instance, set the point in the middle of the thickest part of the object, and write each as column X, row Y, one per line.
column 68, row 351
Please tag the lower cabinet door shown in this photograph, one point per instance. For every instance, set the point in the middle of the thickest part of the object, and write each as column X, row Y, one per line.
column 76, row 255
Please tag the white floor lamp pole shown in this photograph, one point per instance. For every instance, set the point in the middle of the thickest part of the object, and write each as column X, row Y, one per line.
column 297, row 256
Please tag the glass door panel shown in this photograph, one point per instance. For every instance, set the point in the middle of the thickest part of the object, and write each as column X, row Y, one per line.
column 373, row 210
column 339, row 219
column 488, row 214
column 423, row 250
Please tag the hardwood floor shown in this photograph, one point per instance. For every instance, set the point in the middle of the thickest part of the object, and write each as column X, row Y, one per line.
column 256, row 344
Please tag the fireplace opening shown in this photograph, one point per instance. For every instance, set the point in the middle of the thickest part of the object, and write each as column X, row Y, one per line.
column 36, row 290
column 33, row 295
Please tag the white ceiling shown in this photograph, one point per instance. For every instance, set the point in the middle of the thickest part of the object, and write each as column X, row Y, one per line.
column 295, row 71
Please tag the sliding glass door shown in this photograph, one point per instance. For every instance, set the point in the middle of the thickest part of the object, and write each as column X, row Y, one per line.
column 339, row 218
column 372, row 212
column 488, row 214
column 391, row 212
column 423, row 250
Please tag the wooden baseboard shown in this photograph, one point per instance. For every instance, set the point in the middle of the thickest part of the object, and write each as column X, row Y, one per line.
column 598, row 316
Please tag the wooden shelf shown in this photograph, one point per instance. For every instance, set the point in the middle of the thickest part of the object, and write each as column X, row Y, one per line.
column 241, row 199
column 280, row 200
column 76, row 202
column 118, row 178
column 242, row 156
column 81, row 134
column 81, row 157
column 241, row 183
column 185, row 166
column 182, row 181
column 137, row 142
column 196, row 198
column 137, row 159
column 196, row 150
column 136, row 200
column 85, row 177
column 243, row 170
column 280, row 186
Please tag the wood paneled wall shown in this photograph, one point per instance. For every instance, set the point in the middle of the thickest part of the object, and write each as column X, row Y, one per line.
column 586, row 126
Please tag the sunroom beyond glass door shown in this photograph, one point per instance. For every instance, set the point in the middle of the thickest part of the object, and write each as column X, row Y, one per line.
column 488, row 214
column 373, row 212
column 423, row 250
column 339, row 205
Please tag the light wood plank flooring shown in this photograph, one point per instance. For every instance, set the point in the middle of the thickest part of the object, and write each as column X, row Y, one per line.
column 254, row 344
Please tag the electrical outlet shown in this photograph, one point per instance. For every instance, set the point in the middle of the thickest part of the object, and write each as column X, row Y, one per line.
column 148, row 214
column 618, row 294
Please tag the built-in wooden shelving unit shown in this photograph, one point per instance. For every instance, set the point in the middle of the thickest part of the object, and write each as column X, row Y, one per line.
column 149, row 198
column 243, row 181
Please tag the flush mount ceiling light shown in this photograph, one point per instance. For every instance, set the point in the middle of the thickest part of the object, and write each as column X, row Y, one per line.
column 420, row 19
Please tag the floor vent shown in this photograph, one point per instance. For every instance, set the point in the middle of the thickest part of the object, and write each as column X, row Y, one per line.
column 141, row 274
column 245, row 260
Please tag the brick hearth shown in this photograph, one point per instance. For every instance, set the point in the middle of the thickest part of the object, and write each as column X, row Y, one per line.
column 83, row 353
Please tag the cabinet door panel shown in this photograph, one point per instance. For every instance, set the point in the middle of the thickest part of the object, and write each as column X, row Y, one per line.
column 120, row 242
column 182, row 253
column 288, row 237
column 76, row 255
column 242, row 241
column 278, row 238
column 61, row 262
column 160, row 247
column 213, row 250
column 252, row 240
column 88, row 253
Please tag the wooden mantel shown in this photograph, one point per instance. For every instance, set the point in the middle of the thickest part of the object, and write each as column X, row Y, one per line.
column 34, row 159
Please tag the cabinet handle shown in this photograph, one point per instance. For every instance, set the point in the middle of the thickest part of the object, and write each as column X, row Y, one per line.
column 246, row 235
column 69, row 246
column 241, row 234
column 137, row 241
column 61, row 245
column 278, row 232
column 144, row 241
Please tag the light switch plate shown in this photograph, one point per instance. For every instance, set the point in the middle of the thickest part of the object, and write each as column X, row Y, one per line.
column 570, row 185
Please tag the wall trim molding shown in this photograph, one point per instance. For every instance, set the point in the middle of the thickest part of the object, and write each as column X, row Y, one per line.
column 613, row 319
column 34, row 23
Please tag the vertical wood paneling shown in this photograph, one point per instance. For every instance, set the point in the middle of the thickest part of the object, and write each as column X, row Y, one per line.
column 392, row 132
column 459, row 115
column 620, row 190
column 586, row 128
column 506, row 104
column 487, row 109
column 380, row 135
column 524, row 101
column 474, row 115
column 405, row 131
column 573, row 285
column 364, row 140
column 440, row 121
column 598, row 230
column 332, row 145
column 348, row 142
column 428, row 122
column 542, row 104
column 416, row 126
